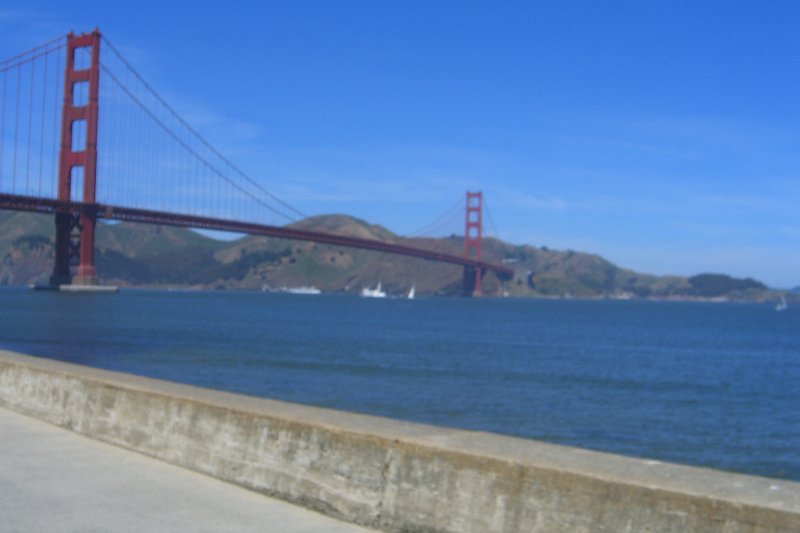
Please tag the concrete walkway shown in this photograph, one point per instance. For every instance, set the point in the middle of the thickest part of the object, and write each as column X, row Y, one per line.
column 54, row 480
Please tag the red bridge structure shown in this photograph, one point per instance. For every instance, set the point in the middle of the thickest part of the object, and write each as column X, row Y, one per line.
column 154, row 167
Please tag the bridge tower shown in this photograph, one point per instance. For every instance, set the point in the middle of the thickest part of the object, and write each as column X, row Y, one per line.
column 78, row 161
column 473, row 229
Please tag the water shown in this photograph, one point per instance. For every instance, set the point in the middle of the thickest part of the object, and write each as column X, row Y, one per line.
column 706, row 384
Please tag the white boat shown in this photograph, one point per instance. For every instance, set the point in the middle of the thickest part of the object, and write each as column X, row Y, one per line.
column 411, row 293
column 303, row 290
column 377, row 292
column 292, row 290
column 781, row 306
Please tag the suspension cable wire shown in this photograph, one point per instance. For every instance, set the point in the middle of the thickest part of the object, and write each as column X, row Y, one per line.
column 148, row 137
column 125, row 155
column 422, row 230
column 41, row 127
column 445, row 218
column 118, row 153
column 22, row 61
column 203, row 141
column 457, row 218
column 30, row 127
column 16, row 133
column 190, row 149
column 48, row 44
column 103, row 140
column 53, row 166
column 205, row 163
column 442, row 226
column 26, row 108
column 3, row 130
column 491, row 220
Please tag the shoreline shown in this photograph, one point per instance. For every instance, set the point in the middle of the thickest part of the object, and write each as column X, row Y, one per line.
column 770, row 297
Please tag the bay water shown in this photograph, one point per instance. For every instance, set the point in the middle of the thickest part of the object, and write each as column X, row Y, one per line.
column 708, row 384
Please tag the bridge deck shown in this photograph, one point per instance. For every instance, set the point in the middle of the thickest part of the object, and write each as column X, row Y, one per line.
column 45, row 205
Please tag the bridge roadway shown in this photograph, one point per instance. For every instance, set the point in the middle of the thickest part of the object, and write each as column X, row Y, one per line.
column 54, row 480
column 50, row 206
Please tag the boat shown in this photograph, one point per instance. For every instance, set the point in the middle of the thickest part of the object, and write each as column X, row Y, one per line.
column 377, row 292
column 302, row 290
column 781, row 306
column 292, row 290
column 411, row 293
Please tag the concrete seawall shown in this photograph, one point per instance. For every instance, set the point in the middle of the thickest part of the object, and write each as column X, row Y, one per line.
column 392, row 475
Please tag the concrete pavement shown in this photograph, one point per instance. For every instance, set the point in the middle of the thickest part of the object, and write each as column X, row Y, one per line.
column 371, row 470
column 54, row 480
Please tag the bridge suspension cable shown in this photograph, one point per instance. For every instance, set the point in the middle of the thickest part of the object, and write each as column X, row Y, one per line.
column 30, row 90
column 35, row 52
column 150, row 146
column 453, row 217
column 489, row 216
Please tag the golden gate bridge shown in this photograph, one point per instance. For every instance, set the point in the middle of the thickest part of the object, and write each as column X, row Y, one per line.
column 81, row 153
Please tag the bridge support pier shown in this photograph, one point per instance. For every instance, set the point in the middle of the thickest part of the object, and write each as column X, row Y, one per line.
column 78, row 158
column 471, row 283
column 86, row 274
column 67, row 243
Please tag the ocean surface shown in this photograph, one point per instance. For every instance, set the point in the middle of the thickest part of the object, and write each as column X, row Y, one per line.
column 710, row 384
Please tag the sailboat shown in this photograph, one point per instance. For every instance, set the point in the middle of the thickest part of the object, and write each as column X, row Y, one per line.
column 781, row 306
column 377, row 292
column 411, row 293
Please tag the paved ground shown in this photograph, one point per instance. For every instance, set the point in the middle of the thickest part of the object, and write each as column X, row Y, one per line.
column 54, row 480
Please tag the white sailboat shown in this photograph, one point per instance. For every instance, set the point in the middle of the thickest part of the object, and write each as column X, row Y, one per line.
column 377, row 292
column 411, row 293
column 781, row 306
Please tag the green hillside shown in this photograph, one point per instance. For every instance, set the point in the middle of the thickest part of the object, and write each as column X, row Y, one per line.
column 140, row 255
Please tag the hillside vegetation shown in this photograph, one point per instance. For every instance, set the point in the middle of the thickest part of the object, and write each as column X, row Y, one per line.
column 139, row 255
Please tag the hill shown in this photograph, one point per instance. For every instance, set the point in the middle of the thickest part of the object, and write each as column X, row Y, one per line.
column 139, row 255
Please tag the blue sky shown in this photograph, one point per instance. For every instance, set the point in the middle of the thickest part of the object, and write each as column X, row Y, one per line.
column 664, row 136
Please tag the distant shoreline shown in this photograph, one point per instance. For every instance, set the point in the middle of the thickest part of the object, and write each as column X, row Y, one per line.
column 770, row 297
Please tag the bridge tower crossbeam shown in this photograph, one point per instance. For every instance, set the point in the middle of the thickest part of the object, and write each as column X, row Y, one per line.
column 78, row 160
